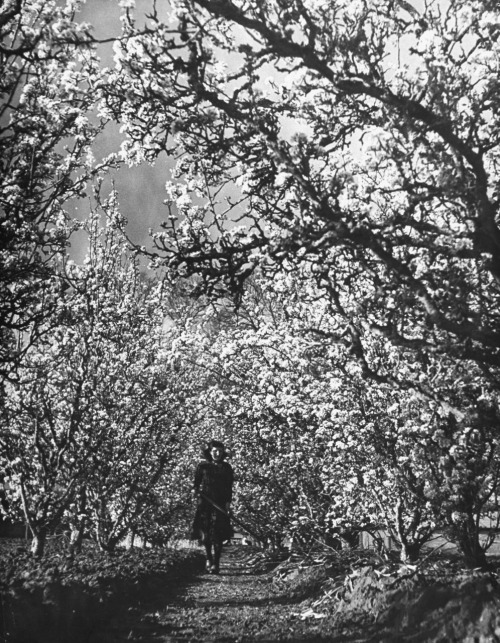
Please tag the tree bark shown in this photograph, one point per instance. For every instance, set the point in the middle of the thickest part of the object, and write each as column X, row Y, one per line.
column 466, row 536
column 410, row 552
column 38, row 542
column 76, row 538
column 131, row 539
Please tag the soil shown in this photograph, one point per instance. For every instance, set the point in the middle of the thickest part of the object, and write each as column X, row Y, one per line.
column 241, row 604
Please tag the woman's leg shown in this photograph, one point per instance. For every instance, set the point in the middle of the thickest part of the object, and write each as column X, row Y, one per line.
column 217, row 554
column 207, row 543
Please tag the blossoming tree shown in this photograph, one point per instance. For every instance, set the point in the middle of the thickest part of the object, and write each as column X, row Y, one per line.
column 358, row 138
column 353, row 145
column 93, row 428
column 49, row 86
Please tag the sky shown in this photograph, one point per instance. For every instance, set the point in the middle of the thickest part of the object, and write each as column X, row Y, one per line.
column 141, row 189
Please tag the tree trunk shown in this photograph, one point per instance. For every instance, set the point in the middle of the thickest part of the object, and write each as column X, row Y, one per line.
column 112, row 543
column 333, row 541
column 131, row 539
column 38, row 542
column 473, row 553
column 78, row 523
column 351, row 537
column 410, row 552
column 466, row 536
column 76, row 538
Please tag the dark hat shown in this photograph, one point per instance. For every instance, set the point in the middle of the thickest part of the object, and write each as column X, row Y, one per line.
column 210, row 445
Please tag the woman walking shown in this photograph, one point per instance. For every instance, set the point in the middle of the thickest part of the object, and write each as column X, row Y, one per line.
column 213, row 481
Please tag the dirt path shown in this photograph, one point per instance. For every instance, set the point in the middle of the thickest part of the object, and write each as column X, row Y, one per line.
column 238, row 605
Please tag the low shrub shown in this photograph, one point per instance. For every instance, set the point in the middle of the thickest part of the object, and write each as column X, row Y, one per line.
column 436, row 600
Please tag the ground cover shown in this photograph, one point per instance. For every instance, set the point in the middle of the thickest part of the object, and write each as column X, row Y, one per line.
column 165, row 595
column 62, row 598
column 349, row 597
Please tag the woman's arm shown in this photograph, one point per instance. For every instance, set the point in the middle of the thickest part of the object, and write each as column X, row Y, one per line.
column 230, row 481
column 198, row 476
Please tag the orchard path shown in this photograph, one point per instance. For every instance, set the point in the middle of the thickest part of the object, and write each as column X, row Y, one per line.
column 239, row 605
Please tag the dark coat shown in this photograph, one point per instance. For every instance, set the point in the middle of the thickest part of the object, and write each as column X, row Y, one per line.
column 213, row 481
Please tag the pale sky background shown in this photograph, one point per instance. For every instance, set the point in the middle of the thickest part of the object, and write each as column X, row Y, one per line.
column 141, row 188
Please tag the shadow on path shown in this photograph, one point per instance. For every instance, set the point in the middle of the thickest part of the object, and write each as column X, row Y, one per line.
column 234, row 606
